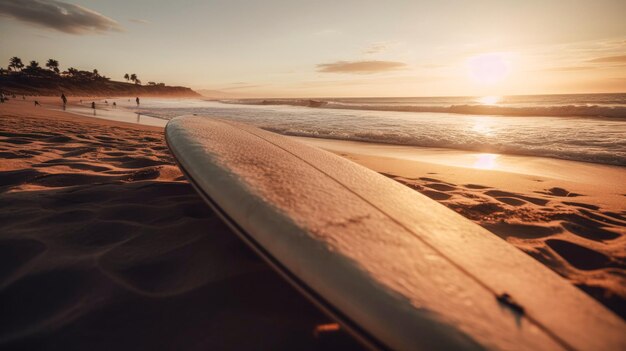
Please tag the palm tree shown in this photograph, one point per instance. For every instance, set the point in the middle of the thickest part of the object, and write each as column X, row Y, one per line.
column 15, row 63
column 33, row 69
column 133, row 77
column 95, row 73
column 53, row 65
column 127, row 77
column 71, row 71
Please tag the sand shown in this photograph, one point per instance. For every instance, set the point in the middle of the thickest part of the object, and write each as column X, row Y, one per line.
column 571, row 216
column 104, row 245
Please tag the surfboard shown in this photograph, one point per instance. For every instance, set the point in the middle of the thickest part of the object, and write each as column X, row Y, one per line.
column 395, row 268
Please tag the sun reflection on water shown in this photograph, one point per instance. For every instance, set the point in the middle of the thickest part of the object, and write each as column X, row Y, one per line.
column 482, row 126
column 486, row 161
column 489, row 100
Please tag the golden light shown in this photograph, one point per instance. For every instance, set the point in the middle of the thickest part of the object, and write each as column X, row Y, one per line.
column 485, row 161
column 489, row 100
column 488, row 69
column 483, row 125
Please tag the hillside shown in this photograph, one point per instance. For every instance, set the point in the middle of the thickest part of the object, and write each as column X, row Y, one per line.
column 54, row 85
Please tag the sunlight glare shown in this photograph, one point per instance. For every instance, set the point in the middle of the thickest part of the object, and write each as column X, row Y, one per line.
column 488, row 69
column 485, row 161
column 482, row 126
column 489, row 100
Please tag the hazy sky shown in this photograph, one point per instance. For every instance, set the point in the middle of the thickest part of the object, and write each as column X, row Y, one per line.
column 331, row 48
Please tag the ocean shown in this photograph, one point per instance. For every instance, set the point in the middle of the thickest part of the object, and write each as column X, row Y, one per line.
column 581, row 127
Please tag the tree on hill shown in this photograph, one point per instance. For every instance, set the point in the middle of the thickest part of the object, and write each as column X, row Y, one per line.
column 33, row 69
column 53, row 65
column 71, row 72
column 133, row 78
column 127, row 77
column 15, row 64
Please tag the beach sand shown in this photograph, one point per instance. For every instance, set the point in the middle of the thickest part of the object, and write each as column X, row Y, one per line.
column 103, row 243
column 571, row 216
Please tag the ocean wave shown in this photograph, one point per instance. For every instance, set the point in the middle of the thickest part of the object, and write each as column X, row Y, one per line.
column 583, row 154
column 466, row 109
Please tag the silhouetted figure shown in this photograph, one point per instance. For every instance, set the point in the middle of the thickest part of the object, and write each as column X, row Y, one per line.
column 64, row 99
column 93, row 106
column 137, row 100
column 106, row 102
column 37, row 103
column 114, row 104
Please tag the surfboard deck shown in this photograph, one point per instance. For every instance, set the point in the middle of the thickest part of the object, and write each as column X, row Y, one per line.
column 395, row 268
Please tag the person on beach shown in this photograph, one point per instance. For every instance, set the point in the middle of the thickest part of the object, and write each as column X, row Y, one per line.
column 114, row 104
column 64, row 99
column 93, row 106
column 137, row 100
column 37, row 103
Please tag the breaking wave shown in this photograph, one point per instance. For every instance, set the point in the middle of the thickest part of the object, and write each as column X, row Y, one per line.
column 586, row 110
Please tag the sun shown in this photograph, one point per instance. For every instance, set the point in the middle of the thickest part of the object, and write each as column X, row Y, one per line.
column 489, row 69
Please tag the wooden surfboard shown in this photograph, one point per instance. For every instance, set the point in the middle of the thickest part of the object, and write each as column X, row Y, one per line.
column 395, row 268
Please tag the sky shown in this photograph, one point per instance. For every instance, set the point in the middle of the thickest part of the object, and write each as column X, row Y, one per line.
column 351, row 48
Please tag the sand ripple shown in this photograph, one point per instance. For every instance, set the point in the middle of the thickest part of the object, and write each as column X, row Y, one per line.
column 103, row 246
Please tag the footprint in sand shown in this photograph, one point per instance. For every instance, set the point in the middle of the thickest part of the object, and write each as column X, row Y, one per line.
column 579, row 204
column 440, row 186
column 579, row 256
column 523, row 231
column 511, row 201
column 436, row 195
column 475, row 186
column 586, row 227
column 560, row 192
column 506, row 194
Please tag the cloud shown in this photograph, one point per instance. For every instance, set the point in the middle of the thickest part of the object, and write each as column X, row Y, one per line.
column 139, row 21
column 375, row 48
column 59, row 15
column 360, row 67
column 610, row 59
